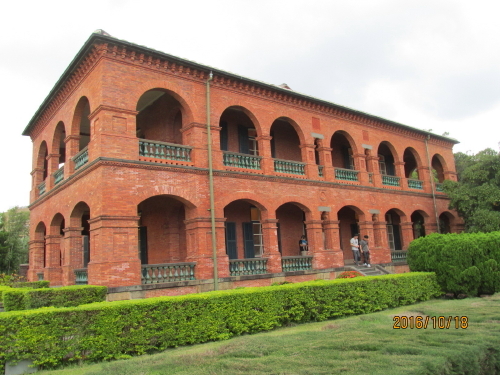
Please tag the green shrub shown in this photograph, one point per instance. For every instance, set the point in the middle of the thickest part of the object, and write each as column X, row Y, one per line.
column 464, row 263
column 4, row 288
column 75, row 295
column 96, row 332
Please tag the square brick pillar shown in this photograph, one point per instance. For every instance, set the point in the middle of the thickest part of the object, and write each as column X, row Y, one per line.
column 36, row 252
column 271, row 250
column 381, row 252
column 72, row 148
column 114, row 254
column 373, row 165
column 333, row 253
column 73, row 254
column 400, row 172
column 321, row 259
column 325, row 159
column 53, row 269
column 267, row 162
column 311, row 168
column 431, row 227
column 360, row 165
column 407, row 234
column 199, row 245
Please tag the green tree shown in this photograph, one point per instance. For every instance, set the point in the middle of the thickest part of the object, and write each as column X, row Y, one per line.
column 476, row 195
column 14, row 237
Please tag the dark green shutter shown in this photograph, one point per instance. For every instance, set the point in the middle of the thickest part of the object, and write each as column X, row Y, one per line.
column 347, row 160
column 231, row 245
column 397, row 237
column 223, row 136
column 143, row 244
column 86, row 250
column 248, row 240
column 243, row 139
column 279, row 237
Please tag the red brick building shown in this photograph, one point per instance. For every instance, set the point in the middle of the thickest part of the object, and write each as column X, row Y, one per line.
column 121, row 176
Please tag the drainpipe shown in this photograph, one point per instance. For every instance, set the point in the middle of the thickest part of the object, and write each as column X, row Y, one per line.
column 211, row 187
column 433, row 185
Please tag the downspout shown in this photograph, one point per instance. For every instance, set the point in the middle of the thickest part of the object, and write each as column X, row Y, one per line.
column 433, row 185
column 211, row 187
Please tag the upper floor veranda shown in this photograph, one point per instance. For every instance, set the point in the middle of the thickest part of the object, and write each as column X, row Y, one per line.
column 126, row 102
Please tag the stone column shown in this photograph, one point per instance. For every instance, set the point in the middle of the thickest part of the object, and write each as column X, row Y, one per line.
column 381, row 253
column 311, row 169
column 334, row 253
column 325, row 159
column 73, row 254
column 36, row 254
column 53, row 269
column 407, row 234
column 114, row 253
column 271, row 250
column 267, row 163
column 199, row 245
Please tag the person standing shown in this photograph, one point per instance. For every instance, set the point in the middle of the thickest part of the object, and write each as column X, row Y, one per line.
column 355, row 249
column 303, row 244
column 366, row 250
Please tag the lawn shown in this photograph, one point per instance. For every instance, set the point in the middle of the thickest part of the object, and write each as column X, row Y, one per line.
column 365, row 344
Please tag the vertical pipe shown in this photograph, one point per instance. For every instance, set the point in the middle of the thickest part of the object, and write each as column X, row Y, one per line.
column 433, row 185
column 211, row 187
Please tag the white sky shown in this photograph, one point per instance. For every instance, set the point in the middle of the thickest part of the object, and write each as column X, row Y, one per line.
column 428, row 64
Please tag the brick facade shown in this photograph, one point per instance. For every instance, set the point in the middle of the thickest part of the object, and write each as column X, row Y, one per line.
column 120, row 162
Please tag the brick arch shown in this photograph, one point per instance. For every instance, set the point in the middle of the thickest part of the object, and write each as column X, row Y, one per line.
column 416, row 156
column 189, row 206
column 186, row 110
column 55, row 224
column 253, row 118
column 439, row 164
column 356, row 209
column 43, row 151
column 247, row 197
column 402, row 215
column 295, row 125
column 40, row 231
column 424, row 214
column 77, row 115
column 56, row 139
column 78, row 211
column 349, row 138
column 391, row 148
column 176, row 192
column 303, row 206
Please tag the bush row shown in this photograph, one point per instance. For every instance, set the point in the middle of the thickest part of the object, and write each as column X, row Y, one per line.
column 96, row 332
column 75, row 295
column 30, row 284
column 466, row 263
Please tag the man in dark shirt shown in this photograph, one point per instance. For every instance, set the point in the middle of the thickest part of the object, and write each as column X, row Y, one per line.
column 366, row 251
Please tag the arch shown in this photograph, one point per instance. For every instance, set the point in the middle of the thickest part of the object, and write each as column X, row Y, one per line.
column 343, row 150
column 162, row 229
column 394, row 218
column 287, row 139
column 79, row 218
column 291, row 218
column 40, row 231
column 243, row 230
column 387, row 158
column 57, row 224
column 162, row 113
column 244, row 196
column 59, row 145
column 38, row 258
column 412, row 163
column 438, row 166
column 239, row 130
column 81, row 123
column 418, row 219
column 42, row 162
column 349, row 217
column 446, row 221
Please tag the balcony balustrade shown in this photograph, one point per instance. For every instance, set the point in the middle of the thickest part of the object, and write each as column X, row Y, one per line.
column 40, row 276
column 296, row 263
column 41, row 188
column 346, row 174
column 81, row 276
column 439, row 187
column 234, row 159
column 415, row 184
column 167, row 272
column 398, row 255
column 58, row 175
column 163, row 150
column 81, row 158
column 290, row 167
column 320, row 170
column 390, row 180
column 370, row 177
column 240, row 267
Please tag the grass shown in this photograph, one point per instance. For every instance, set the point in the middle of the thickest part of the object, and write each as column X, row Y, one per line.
column 365, row 344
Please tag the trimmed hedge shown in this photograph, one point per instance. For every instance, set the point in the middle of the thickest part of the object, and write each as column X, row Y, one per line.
column 466, row 263
column 96, row 332
column 75, row 295
column 4, row 288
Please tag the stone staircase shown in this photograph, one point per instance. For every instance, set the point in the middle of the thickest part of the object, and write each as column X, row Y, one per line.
column 374, row 270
